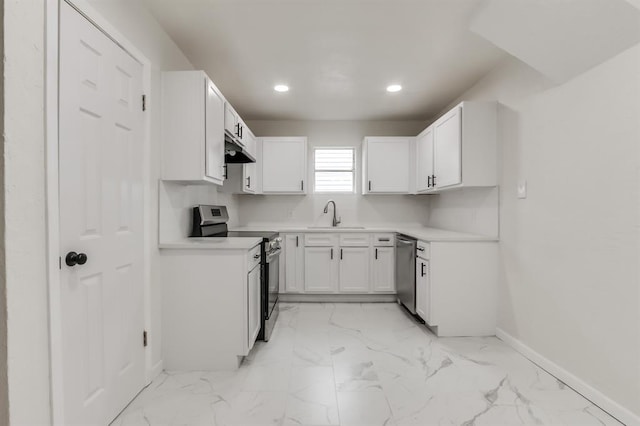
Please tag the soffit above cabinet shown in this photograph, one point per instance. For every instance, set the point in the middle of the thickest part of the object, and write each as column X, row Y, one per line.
column 336, row 56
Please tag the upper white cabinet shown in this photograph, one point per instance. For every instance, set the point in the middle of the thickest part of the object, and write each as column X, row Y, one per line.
column 424, row 160
column 447, row 149
column 243, row 178
column 284, row 165
column 192, row 128
column 386, row 165
column 459, row 149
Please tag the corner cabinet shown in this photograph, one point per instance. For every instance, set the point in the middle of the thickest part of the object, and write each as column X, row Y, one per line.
column 459, row 149
column 192, row 128
column 284, row 165
column 387, row 165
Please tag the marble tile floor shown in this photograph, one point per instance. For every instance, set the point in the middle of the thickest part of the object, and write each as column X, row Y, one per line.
column 365, row 365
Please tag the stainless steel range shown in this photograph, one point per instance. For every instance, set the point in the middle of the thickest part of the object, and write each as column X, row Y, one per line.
column 211, row 221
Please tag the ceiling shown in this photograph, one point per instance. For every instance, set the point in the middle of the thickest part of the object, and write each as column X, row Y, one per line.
column 337, row 56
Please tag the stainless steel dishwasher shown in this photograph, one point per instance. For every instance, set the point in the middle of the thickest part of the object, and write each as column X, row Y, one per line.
column 406, row 271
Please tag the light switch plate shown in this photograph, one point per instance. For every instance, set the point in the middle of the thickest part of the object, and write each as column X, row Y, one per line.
column 522, row 189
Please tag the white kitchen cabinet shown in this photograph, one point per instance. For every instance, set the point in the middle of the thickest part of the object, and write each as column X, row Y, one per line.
column 424, row 160
column 423, row 290
column 232, row 123
column 253, row 290
column 284, row 165
column 383, row 270
column 192, row 128
column 293, row 263
column 210, row 307
column 459, row 149
column 461, row 284
column 447, row 149
column 320, row 270
column 387, row 165
column 354, row 266
column 243, row 178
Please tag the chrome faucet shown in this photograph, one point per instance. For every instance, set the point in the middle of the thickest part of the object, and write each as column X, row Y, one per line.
column 326, row 210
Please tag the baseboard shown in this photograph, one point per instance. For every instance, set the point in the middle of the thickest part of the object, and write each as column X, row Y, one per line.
column 616, row 410
column 337, row 298
column 154, row 371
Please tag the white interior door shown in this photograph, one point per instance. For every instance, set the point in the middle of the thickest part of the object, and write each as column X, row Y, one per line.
column 101, row 215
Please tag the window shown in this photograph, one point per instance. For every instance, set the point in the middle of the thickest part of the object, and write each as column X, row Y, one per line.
column 334, row 170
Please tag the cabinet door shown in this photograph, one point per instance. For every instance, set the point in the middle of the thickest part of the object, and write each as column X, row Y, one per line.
column 293, row 263
column 423, row 290
column 387, row 165
column 230, row 120
column 253, row 306
column 447, row 151
column 214, row 134
column 320, row 269
column 250, row 176
column 284, row 165
column 354, row 269
column 383, row 269
column 424, row 160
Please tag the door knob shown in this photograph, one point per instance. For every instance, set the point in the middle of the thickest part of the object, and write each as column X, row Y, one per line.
column 72, row 258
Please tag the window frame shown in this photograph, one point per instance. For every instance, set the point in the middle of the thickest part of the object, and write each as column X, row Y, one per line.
column 352, row 171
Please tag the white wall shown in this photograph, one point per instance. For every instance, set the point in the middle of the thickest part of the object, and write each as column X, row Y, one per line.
column 25, row 273
column 570, row 273
column 354, row 208
column 4, row 389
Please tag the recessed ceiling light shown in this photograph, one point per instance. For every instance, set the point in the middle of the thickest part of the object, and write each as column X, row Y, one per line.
column 281, row 88
column 394, row 88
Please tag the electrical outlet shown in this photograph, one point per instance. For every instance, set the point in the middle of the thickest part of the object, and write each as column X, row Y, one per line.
column 522, row 189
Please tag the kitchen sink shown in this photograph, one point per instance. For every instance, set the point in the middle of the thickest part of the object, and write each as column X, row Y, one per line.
column 337, row 228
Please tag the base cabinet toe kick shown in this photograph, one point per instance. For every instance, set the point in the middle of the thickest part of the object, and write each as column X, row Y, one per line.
column 450, row 285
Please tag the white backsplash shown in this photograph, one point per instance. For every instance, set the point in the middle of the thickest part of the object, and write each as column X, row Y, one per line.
column 472, row 210
column 176, row 202
column 354, row 209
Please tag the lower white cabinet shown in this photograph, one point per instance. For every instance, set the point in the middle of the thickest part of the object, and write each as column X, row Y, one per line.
column 456, row 287
column 354, row 269
column 383, row 270
column 210, row 306
column 253, row 305
column 293, row 263
column 319, row 269
column 423, row 290
column 339, row 263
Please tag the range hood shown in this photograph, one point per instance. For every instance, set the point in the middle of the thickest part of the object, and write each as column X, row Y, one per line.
column 234, row 153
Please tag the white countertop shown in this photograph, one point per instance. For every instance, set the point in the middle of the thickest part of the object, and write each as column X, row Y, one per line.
column 419, row 232
column 213, row 243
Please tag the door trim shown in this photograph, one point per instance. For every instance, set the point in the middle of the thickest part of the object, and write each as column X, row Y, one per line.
column 52, row 13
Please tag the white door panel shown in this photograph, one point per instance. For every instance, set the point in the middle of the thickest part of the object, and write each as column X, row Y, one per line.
column 448, row 149
column 101, row 215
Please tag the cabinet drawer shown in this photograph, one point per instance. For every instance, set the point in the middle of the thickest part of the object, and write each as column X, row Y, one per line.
column 320, row 240
column 354, row 240
column 253, row 258
column 383, row 240
column 423, row 250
